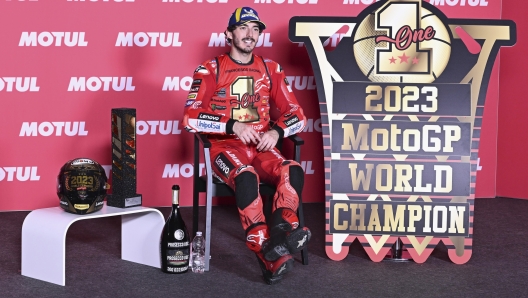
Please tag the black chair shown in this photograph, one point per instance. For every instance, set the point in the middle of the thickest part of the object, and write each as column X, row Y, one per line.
column 216, row 188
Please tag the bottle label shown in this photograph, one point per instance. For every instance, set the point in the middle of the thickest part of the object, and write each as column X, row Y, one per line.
column 178, row 257
column 177, row 244
column 177, row 269
column 179, row 234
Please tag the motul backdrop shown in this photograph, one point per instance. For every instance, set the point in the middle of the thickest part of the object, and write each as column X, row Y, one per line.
column 65, row 64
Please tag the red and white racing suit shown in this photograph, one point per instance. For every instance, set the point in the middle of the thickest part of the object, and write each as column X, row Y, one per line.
column 224, row 91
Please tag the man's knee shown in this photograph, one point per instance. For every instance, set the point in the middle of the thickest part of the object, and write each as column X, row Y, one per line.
column 246, row 188
column 296, row 174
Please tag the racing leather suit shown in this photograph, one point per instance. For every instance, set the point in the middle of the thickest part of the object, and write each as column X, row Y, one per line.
column 224, row 91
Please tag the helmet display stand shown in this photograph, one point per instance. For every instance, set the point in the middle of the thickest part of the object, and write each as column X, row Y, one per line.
column 44, row 239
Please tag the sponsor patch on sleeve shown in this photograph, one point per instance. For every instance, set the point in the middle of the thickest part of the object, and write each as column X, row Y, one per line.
column 291, row 121
column 209, row 117
column 191, row 96
column 294, row 128
column 189, row 102
column 207, row 125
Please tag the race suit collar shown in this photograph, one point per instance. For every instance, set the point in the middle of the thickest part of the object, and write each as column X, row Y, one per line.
column 240, row 62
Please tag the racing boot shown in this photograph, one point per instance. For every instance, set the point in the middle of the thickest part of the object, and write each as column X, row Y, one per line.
column 256, row 234
column 273, row 271
column 286, row 237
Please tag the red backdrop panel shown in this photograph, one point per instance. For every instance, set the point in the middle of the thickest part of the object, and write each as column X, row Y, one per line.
column 512, row 136
column 62, row 63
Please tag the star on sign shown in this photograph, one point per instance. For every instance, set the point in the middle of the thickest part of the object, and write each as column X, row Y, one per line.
column 392, row 60
column 403, row 58
column 415, row 60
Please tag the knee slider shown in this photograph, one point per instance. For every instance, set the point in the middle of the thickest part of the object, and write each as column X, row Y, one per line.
column 296, row 177
column 246, row 189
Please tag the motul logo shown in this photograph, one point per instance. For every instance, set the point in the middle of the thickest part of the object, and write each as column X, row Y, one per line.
column 366, row 2
column 287, row 1
column 46, row 129
column 108, row 170
column 175, row 83
column 312, row 125
column 307, row 167
column 20, row 84
column 101, row 0
column 154, row 127
column 218, row 40
column 96, row 83
column 143, row 39
column 177, row 170
column 196, row 1
column 434, row 2
column 46, row 39
column 19, row 173
column 459, row 3
column 302, row 82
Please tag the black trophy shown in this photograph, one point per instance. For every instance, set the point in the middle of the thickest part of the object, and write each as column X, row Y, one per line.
column 124, row 159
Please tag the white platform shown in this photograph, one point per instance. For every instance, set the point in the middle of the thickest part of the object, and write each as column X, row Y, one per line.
column 44, row 239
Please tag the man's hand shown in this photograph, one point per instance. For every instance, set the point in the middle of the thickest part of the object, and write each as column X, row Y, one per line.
column 246, row 133
column 268, row 140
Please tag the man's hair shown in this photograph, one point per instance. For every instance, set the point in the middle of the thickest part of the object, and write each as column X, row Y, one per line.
column 231, row 29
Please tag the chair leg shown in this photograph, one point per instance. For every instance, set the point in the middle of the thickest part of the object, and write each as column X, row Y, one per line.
column 196, row 193
column 300, row 214
column 196, row 213
column 208, row 211
column 208, row 208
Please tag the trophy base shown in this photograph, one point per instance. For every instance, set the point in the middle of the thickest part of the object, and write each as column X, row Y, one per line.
column 401, row 255
column 124, row 202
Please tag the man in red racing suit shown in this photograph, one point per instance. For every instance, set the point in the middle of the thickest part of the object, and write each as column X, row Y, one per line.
column 230, row 99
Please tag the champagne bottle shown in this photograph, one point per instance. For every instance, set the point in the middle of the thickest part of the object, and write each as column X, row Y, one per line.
column 175, row 239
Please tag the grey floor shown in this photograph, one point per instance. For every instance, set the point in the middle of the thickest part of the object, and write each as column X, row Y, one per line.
column 497, row 268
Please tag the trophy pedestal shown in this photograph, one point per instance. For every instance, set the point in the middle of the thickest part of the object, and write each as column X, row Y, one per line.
column 124, row 202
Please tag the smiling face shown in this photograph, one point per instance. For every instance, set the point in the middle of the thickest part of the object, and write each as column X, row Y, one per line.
column 243, row 40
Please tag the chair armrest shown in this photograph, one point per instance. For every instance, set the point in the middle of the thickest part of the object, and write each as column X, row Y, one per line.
column 297, row 141
column 203, row 139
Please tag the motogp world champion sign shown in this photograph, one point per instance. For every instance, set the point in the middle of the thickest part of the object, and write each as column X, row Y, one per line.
column 401, row 99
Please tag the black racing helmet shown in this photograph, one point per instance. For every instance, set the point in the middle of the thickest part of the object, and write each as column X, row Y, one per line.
column 81, row 186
